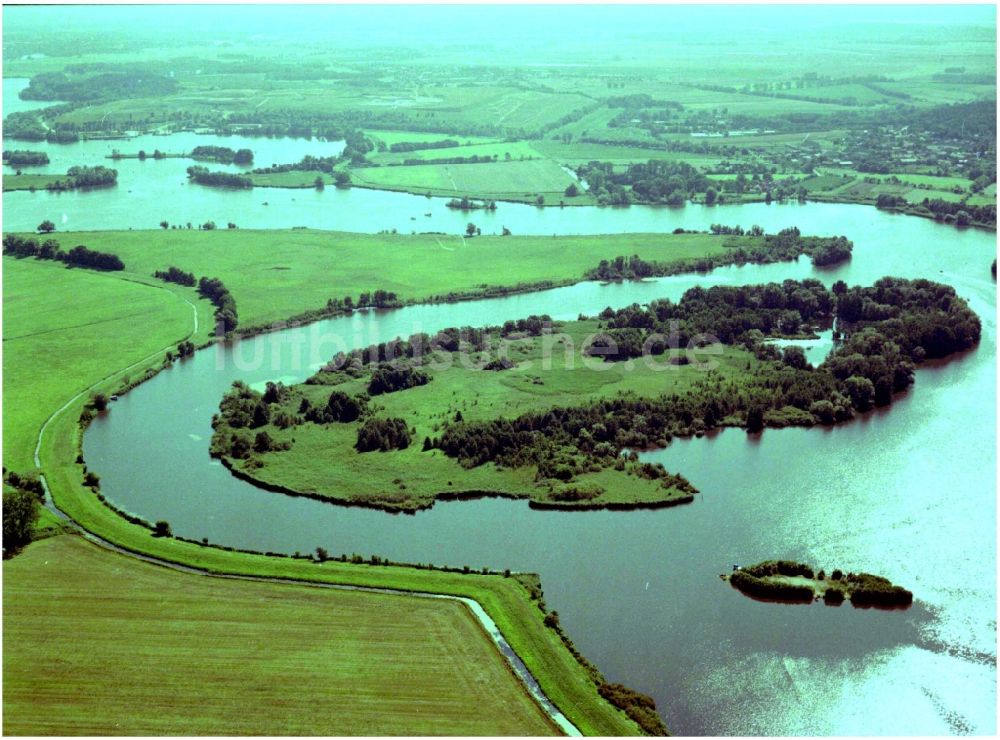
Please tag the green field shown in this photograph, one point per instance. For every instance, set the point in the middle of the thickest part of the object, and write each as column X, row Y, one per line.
column 502, row 150
column 388, row 137
column 280, row 659
column 551, row 372
column 501, row 180
column 65, row 329
column 273, row 274
column 29, row 181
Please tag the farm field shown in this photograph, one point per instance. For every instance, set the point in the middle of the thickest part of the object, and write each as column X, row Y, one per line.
column 147, row 641
column 415, row 267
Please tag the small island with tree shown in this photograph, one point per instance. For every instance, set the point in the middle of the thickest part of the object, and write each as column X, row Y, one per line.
column 793, row 582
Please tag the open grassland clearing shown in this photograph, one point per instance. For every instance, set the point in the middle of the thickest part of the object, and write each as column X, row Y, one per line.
column 64, row 329
column 280, row 659
column 273, row 274
column 551, row 371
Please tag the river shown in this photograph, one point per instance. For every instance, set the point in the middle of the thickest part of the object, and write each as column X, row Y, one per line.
column 907, row 492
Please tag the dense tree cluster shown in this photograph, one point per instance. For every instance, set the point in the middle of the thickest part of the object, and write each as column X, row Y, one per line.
column 874, row 361
column 243, row 410
column 382, row 434
column 79, row 256
column 763, row 581
column 471, row 159
column 788, row 244
column 24, row 158
column 24, row 126
column 465, row 203
column 20, row 512
column 657, row 181
column 203, row 176
column 308, row 163
column 340, row 408
column 961, row 214
column 222, row 154
column 106, row 86
column 418, row 346
column 763, row 587
column 176, row 275
column 870, row 590
column 413, row 146
column 226, row 316
column 86, row 177
column 390, row 378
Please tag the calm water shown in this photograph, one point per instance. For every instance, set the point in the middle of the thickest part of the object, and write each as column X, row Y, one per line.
column 909, row 493
column 12, row 86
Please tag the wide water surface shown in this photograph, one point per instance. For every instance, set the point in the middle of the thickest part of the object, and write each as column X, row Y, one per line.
column 907, row 492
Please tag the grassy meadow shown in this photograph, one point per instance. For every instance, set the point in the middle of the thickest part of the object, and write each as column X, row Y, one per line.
column 64, row 330
column 147, row 641
column 29, row 181
column 515, row 180
column 551, row 371
column 274, row 275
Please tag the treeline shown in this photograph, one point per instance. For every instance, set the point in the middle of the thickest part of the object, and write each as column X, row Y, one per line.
column 473, row 159
column 957, row 213
column 414, row 146
column 176, row 275
column 465, row 203
column 24, row 158
column 79, row 256
column 203, row 176
column 92, row 177
column 870, row 590
column 961, row 214
column 419, row 345
column 657, row 182
column 226, row 317
column 85, row 177
column 223, row 154
column 308, row 163
column 767, row 588
column 106, row 86
column 786, row 245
